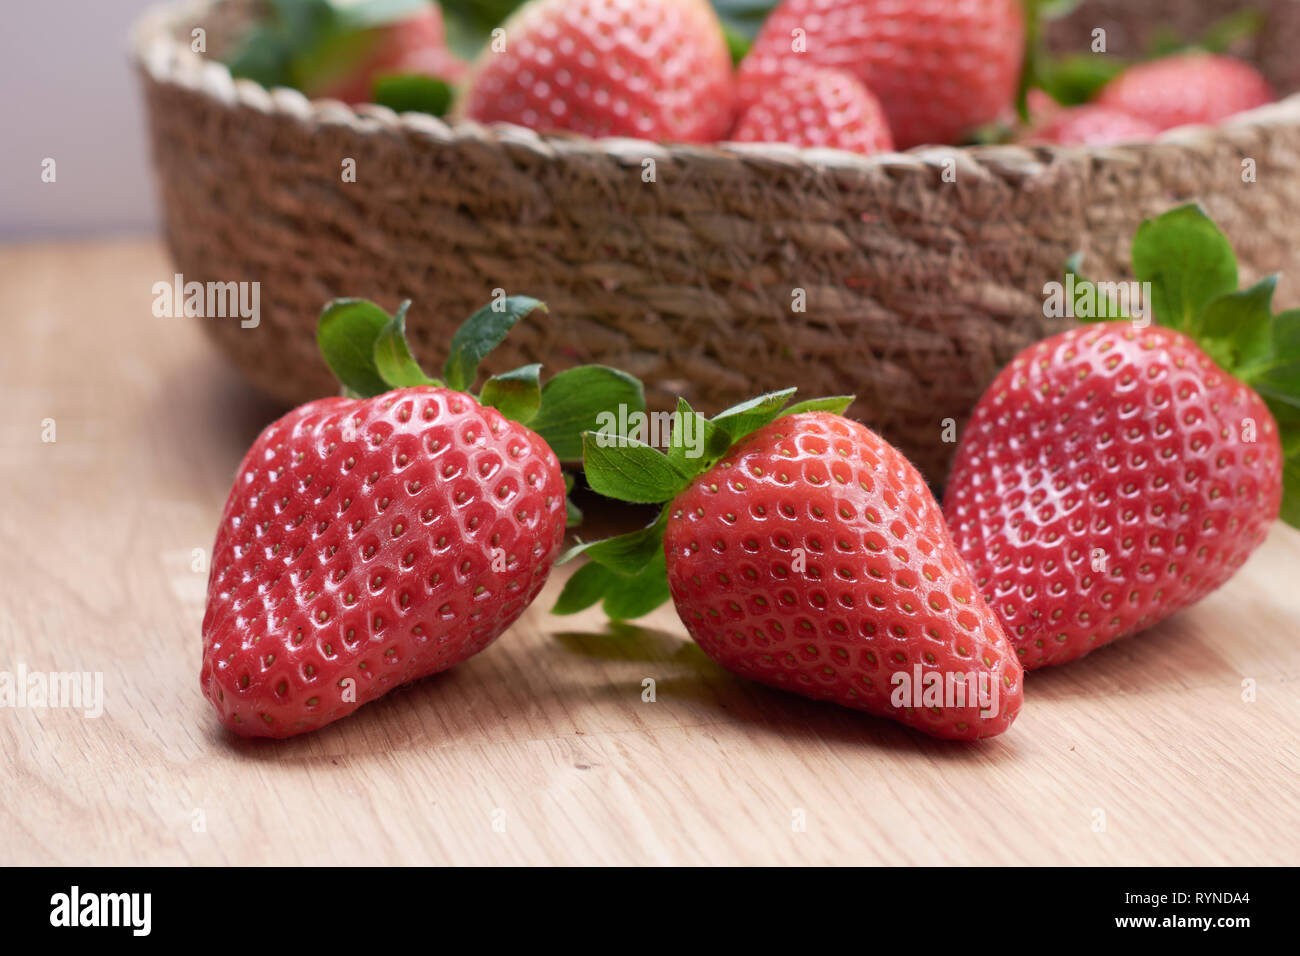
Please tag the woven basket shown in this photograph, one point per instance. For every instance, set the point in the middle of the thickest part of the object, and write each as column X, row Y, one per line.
column 917, row 289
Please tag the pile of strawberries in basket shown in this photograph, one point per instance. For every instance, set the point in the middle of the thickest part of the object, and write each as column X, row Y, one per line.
column 867, row 76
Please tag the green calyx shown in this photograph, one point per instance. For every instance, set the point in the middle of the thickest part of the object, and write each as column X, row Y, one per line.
column 303, row 43
column 367, row 350
column 312, row 45
column 1190, row 284
column 628, row 572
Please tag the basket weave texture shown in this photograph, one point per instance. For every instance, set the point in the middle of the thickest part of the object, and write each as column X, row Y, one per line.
column 921, row 274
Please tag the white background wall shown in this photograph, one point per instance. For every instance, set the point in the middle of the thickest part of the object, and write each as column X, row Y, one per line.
column 67, row 92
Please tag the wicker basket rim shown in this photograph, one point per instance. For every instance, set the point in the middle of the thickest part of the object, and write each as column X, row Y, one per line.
column 154, row 49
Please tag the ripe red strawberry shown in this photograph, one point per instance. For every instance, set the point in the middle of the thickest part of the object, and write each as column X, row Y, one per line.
column 369, row 542
column 812, row 557
column 939, row 69
column 820, row 108
column 373, row 557
column 652, row 69
column 1112, row 475
column 416, row 45
column 1090, row 125
column 1187, row 88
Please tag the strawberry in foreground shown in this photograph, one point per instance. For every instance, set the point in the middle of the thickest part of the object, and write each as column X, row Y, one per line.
column 372, row 540
column 1187, row 88
column 939, row 69
column 803, row 551
column 652, row 69
column 828, row 108
column 1115, row 473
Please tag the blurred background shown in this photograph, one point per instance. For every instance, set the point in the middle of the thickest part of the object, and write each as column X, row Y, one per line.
column 70, row 95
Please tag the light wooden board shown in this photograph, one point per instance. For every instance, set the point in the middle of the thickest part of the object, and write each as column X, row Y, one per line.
column 540, row 750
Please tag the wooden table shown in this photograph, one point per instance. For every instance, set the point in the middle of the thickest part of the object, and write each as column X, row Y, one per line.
column 540, row 750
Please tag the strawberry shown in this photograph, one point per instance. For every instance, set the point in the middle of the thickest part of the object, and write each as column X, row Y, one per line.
column 939, row 69
column 415, row 46
column 1090, row 125
column 371, row 541
column 651, row 69
column 819, row 108
column 1116, row 473
column 1187, row 88
column 1040, row 105
column 807, row 553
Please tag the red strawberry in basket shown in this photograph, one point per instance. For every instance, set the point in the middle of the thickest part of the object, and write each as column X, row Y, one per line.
column 1090, row 125
column 1187, row 88
column 416, row 46
column 1114, row 474
column 651, row 69
column 939, row 69
column 808, row 554
column 368, row 542
column 820, row 108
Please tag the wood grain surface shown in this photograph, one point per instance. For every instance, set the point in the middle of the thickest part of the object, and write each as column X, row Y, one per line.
column 540, row 750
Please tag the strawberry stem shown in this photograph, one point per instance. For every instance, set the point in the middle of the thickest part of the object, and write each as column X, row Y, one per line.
column 627, row 572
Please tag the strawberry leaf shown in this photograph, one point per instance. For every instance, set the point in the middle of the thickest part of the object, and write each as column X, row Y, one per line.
column 584, row 588
column 413, row 93
column 625, row 596
column 346, row 334
column 481, row 333
column 1287, row 417
column 1188, row 262
column 741, row 21
column 627, row 553
column 739, row 420
column 585, row 399
column 1286, row 333
column 625, row 469
column 1274, row 372
column 1036, row 61
column 392, row 355
column 745, row 17
column 517, row 395
column 302, row 41
column 368, row 14
column 1237, row 328
column 835, row 404
column 470, row 22
column 1291, row 492
column 1090, row 301
column 1229, row 31
column 1077, row 78
column 632, row 597
column 267, row 53
column 696, row 442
